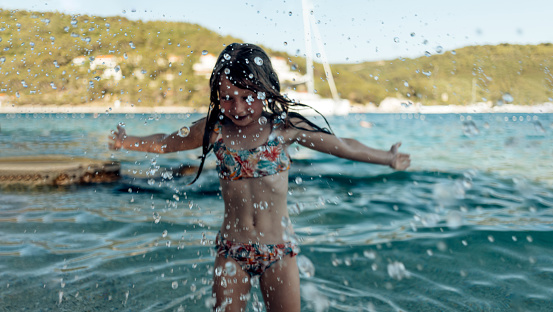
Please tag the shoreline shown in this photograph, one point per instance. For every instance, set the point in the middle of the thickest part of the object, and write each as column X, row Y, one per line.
column 387, row 106
column 97, row 109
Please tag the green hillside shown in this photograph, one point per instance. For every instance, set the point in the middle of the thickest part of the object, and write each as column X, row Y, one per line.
column 38, row 53
column 516, row 73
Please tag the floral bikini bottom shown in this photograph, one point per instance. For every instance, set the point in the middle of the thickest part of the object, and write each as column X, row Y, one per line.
column 254, row 258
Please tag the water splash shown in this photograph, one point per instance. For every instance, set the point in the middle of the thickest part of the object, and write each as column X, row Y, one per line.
column 314, row 298
column 306, row 267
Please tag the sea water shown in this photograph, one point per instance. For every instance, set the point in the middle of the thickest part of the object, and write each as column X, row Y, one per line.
column 467, row 228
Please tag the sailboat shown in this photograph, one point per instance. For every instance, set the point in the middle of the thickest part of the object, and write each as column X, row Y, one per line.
column 325, row 106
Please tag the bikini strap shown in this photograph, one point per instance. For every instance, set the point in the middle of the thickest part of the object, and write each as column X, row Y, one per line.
column 218, row 128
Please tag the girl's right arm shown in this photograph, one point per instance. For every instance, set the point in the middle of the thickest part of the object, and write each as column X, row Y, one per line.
column 159, row 143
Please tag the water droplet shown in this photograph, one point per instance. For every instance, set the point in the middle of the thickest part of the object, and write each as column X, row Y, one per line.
column 218, row 271
column 290, row 13
column 74, row 22
column 397, row 271
column 299, row 180
column 262, row 120
column 258, row 61
column 412, row 34
column 285, row 43
column 454, row 220
column 157, row 217
column 226, row 56
column 285, row 222
column 227, row 71
column 427, row 54
column 439, row 49
column 369, row 254
column 164, row 234
column 318, row 55
column 406, row 83
column 396, row 39
column 175, row 285
column 125, row 55
column 261, row 95
column 204, row 52
column 230, row 268
column 184, row 132
column 263, row 205
column 507, row 98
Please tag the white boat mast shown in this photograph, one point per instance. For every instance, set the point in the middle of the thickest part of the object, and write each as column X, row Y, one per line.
column 308, row 25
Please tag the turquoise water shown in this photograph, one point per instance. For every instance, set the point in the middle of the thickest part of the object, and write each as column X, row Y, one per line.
column 467, row 228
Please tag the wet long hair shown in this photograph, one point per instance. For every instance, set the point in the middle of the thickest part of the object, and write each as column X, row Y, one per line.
column 247, row 66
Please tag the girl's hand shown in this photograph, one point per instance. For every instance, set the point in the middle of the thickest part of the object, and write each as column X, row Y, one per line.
column 116, row 138
column 399, row 161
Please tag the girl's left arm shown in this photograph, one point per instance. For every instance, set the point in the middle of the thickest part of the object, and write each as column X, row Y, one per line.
column 352, row 149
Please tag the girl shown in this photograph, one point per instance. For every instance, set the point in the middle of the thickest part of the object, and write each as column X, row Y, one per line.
column 249, row 127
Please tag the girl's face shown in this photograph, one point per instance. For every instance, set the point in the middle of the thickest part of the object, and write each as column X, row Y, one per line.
column 242, row 106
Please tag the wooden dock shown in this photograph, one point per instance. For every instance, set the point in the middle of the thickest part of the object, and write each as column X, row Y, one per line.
column 56, row 170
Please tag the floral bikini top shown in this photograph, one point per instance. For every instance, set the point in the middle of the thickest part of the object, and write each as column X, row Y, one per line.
column 267, row 159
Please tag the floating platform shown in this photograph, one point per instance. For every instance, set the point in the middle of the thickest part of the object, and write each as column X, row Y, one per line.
column 56, row 170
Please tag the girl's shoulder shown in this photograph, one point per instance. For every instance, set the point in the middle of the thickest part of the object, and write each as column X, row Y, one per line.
column 285, row 121
column 297, row 121
column 286, row 128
